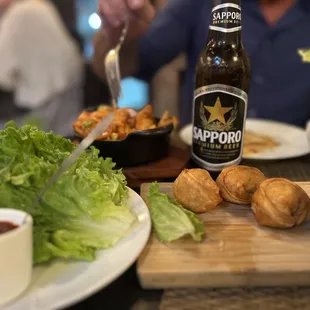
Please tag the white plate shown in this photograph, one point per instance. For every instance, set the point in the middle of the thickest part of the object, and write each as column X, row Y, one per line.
column 64, row 283
column 293, row 140
column 186, row 134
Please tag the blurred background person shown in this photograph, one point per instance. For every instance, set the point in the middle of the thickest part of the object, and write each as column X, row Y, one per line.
column 41, row 64
column 165, row 85
column 272, row 35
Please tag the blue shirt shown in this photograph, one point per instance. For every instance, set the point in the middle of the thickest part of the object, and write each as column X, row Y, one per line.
column 279, row 54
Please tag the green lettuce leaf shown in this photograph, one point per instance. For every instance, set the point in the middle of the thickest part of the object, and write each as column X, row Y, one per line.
column 85, row 210
column 170, row 220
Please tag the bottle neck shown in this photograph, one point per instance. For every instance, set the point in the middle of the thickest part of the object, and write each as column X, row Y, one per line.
column 225, row 26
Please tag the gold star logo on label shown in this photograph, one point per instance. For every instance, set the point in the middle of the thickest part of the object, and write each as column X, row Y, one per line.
column 217, row 112
column 305, row 54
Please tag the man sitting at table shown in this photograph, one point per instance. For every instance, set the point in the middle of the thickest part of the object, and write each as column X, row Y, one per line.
column 273, row 36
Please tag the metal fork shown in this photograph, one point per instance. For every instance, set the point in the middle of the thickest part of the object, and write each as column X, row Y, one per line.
column 112, row 69
column 114, row 81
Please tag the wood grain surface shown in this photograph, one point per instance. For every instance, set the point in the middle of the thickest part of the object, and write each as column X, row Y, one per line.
column 167, row 168
column 236, row 251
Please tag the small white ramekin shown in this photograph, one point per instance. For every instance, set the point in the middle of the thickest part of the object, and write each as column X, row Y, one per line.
column 15, row 255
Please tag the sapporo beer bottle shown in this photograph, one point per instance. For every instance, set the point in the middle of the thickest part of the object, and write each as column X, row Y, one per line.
column 220, row 97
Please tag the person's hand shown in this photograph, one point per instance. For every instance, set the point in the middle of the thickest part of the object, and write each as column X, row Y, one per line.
column 4, row 4
column 114, row 13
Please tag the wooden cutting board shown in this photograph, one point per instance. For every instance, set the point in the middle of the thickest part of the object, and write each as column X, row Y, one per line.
column 168, row 167
column 236, row 252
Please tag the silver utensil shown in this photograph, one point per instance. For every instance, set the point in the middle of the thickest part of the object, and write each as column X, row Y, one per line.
column 114, row 83
column 85, row 143
column 112, row 67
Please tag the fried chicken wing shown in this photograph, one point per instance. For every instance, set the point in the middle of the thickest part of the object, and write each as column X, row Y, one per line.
column 145, row 119
column 166, row 120
column 126, row 121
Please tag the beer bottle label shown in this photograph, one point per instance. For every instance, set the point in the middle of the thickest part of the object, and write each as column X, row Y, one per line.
column 218, row 126
column 226, row 17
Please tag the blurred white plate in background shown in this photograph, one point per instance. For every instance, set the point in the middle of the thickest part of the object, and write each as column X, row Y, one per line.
column 293, row 140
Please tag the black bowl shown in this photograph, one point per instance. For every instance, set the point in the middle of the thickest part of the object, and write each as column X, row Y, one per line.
column 139, row 147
